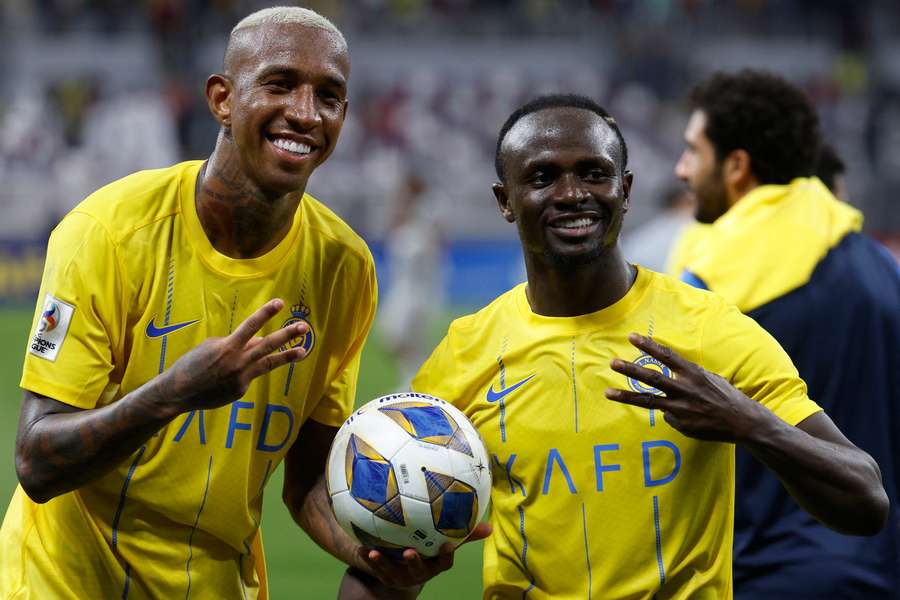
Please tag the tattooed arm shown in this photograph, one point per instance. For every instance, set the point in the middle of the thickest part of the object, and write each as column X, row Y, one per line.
column 59, row 447
column 305, row 494
column 306, row 497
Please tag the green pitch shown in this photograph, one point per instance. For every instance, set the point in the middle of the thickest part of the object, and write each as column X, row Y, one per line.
column 297, row 567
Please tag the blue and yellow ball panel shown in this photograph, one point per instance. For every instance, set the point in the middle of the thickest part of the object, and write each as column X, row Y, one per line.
column 454, row 504
column 370, row 541
column 392, row 510
column 428, row 423
column 372, row 482
column 456, row 510
column 459, row 443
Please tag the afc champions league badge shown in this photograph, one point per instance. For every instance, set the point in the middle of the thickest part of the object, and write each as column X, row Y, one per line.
column 299, row 312
column 49, row 317
column 648, row 362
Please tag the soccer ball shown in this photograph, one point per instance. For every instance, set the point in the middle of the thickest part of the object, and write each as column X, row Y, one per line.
column 408, row 471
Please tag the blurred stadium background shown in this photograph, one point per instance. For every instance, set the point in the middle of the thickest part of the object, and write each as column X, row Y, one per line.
column 95, row 89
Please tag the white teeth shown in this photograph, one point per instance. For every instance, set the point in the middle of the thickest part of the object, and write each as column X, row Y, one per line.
column 292, row 146
column 574, row 223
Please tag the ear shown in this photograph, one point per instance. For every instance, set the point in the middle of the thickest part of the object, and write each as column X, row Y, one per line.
column 219, row 89
column 503, row 202
column 627, row 180
column 737, row 169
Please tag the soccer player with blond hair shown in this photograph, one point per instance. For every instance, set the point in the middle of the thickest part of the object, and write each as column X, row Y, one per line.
column 198, row 325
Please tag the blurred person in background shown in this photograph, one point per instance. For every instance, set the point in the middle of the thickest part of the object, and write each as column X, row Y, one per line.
column 688, row 246
column 786, row 252
column 650, row 243
column 161, row 382
column 414, row 295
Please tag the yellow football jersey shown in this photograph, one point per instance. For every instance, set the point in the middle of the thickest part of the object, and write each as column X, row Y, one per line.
column 131, row 283
column 790, row 229
column 592, row 498
column 689, row 245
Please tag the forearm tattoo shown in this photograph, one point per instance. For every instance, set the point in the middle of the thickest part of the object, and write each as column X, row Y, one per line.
column 60, row 448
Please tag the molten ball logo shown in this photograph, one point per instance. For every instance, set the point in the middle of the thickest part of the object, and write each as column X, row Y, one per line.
column 49, row 318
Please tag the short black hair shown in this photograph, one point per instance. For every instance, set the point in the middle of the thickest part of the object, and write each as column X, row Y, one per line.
column 829, row 166
column 763, row 114
column 556, row 101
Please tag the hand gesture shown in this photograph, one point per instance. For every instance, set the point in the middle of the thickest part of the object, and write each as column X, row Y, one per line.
column 414, row 569
column 695, row 402
column 220, row 370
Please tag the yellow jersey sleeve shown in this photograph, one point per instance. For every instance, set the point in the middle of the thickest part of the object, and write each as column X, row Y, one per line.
column 340, row 393
column 78, row 322
column 737, row 348
column 436, row 376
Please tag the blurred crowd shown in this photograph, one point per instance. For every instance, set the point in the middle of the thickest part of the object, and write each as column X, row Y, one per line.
column 101, row 88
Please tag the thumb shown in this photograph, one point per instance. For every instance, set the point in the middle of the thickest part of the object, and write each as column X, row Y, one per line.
column 481, row 531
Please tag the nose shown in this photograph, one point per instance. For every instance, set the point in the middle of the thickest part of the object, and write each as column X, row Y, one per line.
column 571, row 190
column 681, row 167
column 302, row 110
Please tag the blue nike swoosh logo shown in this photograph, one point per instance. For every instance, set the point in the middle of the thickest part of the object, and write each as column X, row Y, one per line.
column 154, row 332
column 493, row 396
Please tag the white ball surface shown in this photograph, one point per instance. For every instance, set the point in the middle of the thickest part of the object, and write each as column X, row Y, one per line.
column 408, row 471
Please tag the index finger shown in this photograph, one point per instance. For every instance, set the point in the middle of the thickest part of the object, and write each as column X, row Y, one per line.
column 252, row 324
column 663, row 354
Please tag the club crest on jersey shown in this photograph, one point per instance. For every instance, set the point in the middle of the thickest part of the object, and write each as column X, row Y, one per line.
column 299, row 312
column 648, row 362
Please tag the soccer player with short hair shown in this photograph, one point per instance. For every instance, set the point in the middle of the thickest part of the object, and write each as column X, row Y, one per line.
column 162, row 380
column 611, row 397
column 790, row 255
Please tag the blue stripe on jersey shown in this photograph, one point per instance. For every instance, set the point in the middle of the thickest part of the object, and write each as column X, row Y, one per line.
column 508, row 468
column 162, row 354
column 262, row 483
column 122, row 495
column 587, row 551
column 574, row 385
column 650, row 335
column 194, row 528
column 127, row 581
column 691, row 279
column 170, row 293
column 290, row 376
column 502, row 387
column 525, row 551
column 233, row 309
column 659, row 559
column 115, row 522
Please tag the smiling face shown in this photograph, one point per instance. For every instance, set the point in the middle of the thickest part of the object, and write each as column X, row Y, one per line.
column 564, row 185
column 283, row 102
column 701, row 169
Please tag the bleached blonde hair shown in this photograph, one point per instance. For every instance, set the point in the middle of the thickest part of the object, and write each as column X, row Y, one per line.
column 288, row 14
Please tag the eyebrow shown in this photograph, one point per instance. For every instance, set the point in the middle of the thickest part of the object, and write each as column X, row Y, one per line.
column 603, row 161
column 287, row 71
